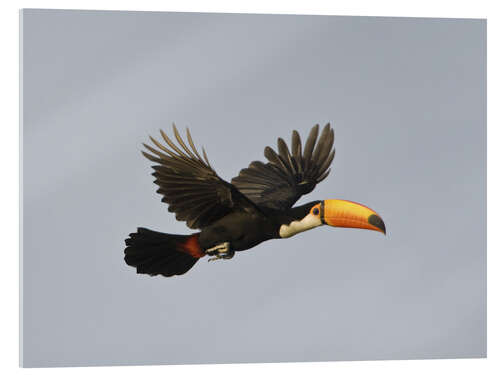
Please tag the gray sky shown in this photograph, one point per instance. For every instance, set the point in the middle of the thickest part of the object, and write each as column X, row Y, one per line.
column 407, row 100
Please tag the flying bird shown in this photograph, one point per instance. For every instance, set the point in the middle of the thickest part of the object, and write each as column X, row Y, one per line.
column 258, row 204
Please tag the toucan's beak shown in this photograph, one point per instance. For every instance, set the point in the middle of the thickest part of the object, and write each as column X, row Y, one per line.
column 347, row 214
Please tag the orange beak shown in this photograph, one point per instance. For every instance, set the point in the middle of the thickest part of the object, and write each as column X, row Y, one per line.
column 347, row 214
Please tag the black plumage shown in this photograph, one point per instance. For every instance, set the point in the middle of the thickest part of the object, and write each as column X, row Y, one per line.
column 189, row 185
column 287, row 176
column 154, row 253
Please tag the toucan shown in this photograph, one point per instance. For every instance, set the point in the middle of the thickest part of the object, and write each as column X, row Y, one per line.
column 256, row 206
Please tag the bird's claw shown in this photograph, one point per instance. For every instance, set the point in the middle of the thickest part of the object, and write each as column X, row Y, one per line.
column 222, row 251
column 217, row 257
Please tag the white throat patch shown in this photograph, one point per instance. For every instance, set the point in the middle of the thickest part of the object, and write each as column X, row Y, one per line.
column 309, row 222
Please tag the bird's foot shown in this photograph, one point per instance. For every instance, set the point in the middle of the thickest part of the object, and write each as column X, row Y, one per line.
column 221, row 251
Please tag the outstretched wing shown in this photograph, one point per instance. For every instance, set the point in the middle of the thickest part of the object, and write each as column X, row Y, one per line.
column 288, row 175
column 188, row 183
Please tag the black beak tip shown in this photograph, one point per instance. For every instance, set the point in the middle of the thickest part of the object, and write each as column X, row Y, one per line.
column 376, row 221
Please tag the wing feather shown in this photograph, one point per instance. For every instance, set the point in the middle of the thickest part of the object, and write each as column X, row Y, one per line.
column 284, row 154
column 297, row 151
column 288, row 174
column 311, row 141
column 189, row 185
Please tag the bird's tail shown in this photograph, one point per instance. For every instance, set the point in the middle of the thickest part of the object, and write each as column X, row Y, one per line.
column 157, row 253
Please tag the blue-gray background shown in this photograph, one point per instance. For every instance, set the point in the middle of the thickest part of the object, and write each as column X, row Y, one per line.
column 407, row 100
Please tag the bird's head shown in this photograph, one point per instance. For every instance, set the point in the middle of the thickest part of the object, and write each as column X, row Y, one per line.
column 335, row 213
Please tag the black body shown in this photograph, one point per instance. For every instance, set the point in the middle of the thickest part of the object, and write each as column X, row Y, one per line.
column 244, row 230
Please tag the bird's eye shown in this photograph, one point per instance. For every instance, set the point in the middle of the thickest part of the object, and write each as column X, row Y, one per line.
column 316, row 211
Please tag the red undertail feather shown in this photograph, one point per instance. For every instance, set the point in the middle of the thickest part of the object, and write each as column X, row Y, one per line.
column 192, row 246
